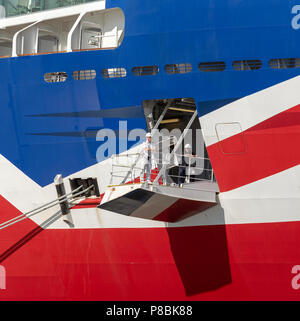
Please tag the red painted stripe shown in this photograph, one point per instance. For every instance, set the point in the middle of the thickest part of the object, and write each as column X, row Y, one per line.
column 94, row 202
column 182, row 209
column 89, row 203
column 190, row 263
column 270, row 147
column 187, row 263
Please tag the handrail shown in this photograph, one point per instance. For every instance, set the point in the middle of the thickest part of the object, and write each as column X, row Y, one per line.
column 139, row 153
column 73, row 29
column 177, row 144
column 192, row 172
column 91, row 49
column 44, row 207
column 161, row 117
column 163, row 162
column 14, row 42
column 42, row 53
column 70, row 34
column 192, row 157
column 136, row 161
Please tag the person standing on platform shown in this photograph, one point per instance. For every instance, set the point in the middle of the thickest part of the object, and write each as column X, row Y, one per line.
column 148, row 157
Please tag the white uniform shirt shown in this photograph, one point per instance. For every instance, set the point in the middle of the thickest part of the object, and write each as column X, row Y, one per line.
column 148, row 154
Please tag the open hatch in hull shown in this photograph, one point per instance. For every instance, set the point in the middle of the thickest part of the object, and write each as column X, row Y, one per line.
column 181, row 183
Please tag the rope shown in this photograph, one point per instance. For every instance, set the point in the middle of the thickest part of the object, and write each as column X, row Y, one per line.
column 58, row 199
column 44, row 207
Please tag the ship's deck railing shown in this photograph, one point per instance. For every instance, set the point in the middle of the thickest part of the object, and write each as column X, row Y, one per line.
column 101, row 37
column 129, row 169
column 21, row 7
column 102, row 47
column 124, row 168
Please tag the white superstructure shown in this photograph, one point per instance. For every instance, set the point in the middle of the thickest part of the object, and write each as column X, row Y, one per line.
column 87, row 26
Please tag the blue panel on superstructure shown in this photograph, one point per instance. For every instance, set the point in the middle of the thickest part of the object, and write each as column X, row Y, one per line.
column 51, row 127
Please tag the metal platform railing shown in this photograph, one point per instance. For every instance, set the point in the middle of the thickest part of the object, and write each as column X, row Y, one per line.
column 129, row 168
column 192, row 169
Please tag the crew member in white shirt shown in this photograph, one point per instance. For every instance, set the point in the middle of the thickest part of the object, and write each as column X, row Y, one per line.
column 148, row 157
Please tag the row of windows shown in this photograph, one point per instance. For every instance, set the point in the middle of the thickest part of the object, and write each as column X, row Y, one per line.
column 181, row 68
column 84, row 74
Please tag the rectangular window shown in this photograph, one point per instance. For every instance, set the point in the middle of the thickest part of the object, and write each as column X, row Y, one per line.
column 246, row 65
column 84, row 74
column 183, row 68
column 114, row 73
column 60, row 76
column 212, row 66
column 145, row 71
column 284, row 63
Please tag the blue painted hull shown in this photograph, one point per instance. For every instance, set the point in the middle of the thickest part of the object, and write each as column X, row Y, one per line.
column 48, row 128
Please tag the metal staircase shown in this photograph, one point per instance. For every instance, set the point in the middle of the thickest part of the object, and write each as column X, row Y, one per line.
column 129, row 194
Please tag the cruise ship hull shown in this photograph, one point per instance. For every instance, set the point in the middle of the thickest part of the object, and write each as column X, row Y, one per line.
column 244, row 248
column 217, row 262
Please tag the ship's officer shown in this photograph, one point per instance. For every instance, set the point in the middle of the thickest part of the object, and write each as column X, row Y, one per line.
column 185, row 164
column 148, row 156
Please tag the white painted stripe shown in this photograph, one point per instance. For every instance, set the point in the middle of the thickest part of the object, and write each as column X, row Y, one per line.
column 252, row 110
column 22, row 192
column 25, row 194
column 273, row 199
column 93, row 218
column 19, row 189
column 285, row 184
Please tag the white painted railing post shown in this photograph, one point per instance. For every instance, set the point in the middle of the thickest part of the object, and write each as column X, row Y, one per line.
column 70, row 34
column 15, row 39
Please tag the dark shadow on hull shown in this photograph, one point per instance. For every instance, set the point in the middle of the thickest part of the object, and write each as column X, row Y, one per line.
column 201, row 256
column 25, row 239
